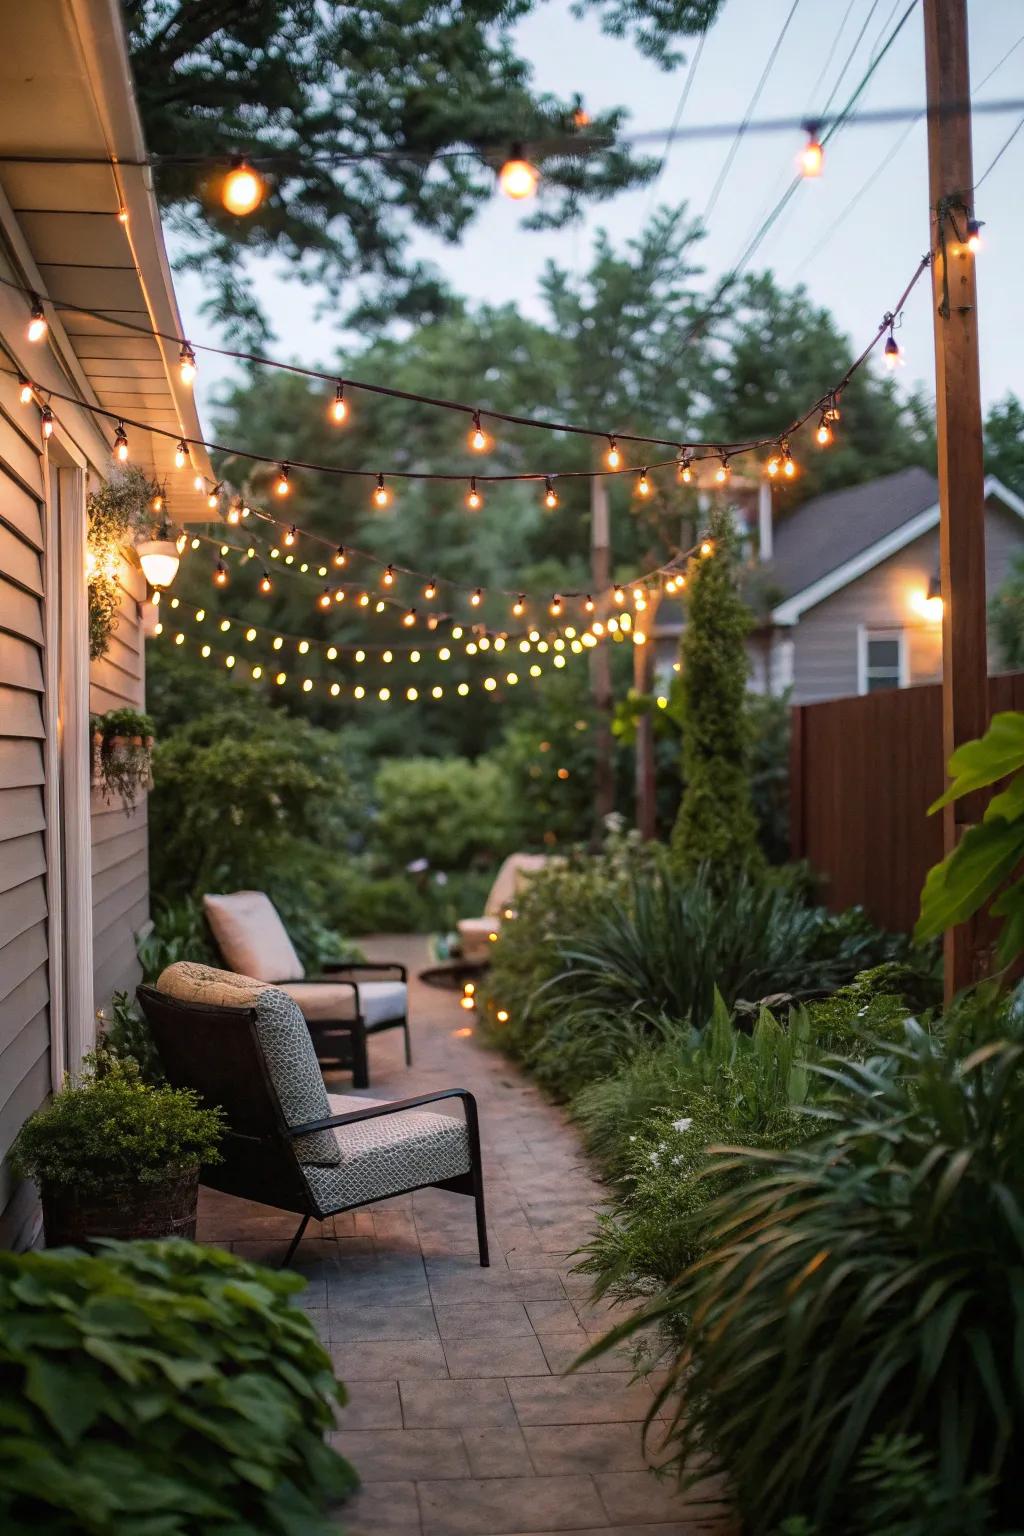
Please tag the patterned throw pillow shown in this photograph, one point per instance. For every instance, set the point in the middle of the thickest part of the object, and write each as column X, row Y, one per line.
column 284, row 1036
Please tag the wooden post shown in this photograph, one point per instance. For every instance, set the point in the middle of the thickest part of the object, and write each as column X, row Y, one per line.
column 600, row 660
column 643, row 679
column 959, row 420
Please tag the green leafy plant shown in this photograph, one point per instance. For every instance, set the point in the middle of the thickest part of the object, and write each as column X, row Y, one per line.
column 177, row 931
column 864, row 1285
column 109, row 1127
column 114, row 512
column 990, row 852
column 448, row 811
column 127, row 1036
column 122, row 763
column 161, row 1387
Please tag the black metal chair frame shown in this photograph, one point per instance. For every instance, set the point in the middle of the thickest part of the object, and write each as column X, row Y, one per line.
column 216, row 1051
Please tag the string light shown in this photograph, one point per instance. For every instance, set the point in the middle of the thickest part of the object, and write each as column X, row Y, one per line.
column 974, row 240
column 518, row 178
column 381, row 495
column 244, row 189
column 686, row 466
column 120, row 443
column 220, row 575
column 46, row 421
column 282, row 485
column 181, row 455
column 325, row 598
column 788, row 465
column 474, row 500
column 339, row 405
column 613, row 458
column 265, row 584
column 773, row 466
column 824, row 432
column 643, row 485
column 619, row 595
column 156, row 501
column 476, row 598
column 213, row 499
column 187, row 366
column 550, row 494
column 24, row 390
column 37, row 326
column 198, row 482
column 409, row 618
column 893, row 351
column 340, row 557
column 588, row 604
column 723, row 471
column 235, row 513
column 430, row 590
column 478, row 439
column 388, row 578
column 812, row 157
column 706, row 548
column 519, row 606
column 556, row 606
column 290, row 536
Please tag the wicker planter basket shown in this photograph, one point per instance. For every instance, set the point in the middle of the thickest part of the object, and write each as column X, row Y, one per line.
column 73, row 1215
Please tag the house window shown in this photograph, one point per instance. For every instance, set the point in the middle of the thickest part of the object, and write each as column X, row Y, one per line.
column 882, row 660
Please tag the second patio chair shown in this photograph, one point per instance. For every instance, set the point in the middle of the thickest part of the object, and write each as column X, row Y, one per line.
column 343, row 1007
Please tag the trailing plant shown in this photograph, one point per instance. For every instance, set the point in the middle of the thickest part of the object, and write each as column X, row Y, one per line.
column 162, row 1387
column 123, row 739
column 989, row 852
column 715, row 825
column 108, row 1127
column 119, row 509
column 864, row 1287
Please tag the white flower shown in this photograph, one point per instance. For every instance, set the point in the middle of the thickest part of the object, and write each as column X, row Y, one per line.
column 682, row 1125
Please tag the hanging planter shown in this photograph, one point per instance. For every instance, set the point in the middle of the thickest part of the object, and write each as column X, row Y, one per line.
column 122, row 751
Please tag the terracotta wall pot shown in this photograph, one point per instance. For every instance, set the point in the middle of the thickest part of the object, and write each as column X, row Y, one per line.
column 77, row 1215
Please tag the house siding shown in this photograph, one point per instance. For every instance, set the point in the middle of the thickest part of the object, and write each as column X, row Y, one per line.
column 24, row 948
column 120, row 863
column 825, row 639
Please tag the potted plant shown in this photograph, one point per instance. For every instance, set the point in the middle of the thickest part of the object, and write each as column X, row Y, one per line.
column 115, row 1156
column 125, row 753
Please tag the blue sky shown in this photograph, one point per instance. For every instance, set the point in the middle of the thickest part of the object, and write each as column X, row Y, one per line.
column 856, row 267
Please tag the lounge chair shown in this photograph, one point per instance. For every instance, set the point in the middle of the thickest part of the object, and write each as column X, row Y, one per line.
column 290, row 1144
column 476, row 934
column 342, row 1007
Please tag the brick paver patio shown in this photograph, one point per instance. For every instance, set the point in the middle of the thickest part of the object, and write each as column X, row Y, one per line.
column 460, row 1421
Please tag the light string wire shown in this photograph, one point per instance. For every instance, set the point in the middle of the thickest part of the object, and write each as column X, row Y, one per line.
column 698, row 449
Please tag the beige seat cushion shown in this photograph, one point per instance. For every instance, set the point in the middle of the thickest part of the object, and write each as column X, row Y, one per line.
column 380, row 1001
column 383, row 1157
column 251, row 937
column 475, row 936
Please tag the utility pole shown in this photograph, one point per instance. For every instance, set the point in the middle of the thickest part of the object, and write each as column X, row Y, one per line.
column 600, row 659
column 959, row 421
column 643, row 679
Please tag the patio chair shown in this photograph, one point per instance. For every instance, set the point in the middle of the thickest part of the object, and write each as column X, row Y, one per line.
column 290, row 1144
column 342, row 1007
column 476, row 934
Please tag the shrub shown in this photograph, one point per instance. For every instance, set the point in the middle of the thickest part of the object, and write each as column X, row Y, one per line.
column 127, row 1036
column 161, row 1387
column 866, row 1285
column 110, row 1127
column 448, row 811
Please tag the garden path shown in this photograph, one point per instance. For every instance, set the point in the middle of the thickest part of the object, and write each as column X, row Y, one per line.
column 461, row 1421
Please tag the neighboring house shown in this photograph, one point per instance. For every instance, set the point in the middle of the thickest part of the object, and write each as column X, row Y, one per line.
column 853, row 587
column 73, row 869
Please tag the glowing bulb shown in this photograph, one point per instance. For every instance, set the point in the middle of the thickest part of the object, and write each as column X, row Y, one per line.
column 556, row 606
column 613, row 458
column 282, row 485
column 213, row 499
column 339, row 405
column 244, row 189
column 339, row 555
column 430, row 590
column 974, row 241
column 812, row 157
column 198, row 482
column 476, row 599
column 518, row 178
column 388, row 578
column 462, row 690
column 250, row 634
column 409, row 618
column 24, row 391
column 187, row 367
column 411, row 694
column 325, row 598
column 234, row 513
column 36, row 321
column 643, row 485
column 893, row 352
column 206, row 651
column 519, row 606
column 384, row 694
column 619, row 595
column 706, row 548
column 773, row 465
column 437, row 691
column 220, row 575
column 381, row 495
column 120, row 443
column 788, row 466
column 46, row 421
column 265, row 583
column 686, row 466
column 359, row 692
column 335, row 690
column 474, row 500
column 181, row 455
column 122, row 215
column 588, row 604
column 550, row 494
column 332, row 653
column 824, row 432
column 364, row 599
column 478, row 439
column 723, row 471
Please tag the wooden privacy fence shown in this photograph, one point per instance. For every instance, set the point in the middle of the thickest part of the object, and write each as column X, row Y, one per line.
column 863, row 773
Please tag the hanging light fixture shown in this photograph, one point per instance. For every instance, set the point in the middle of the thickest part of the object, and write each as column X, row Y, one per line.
column 159, row 559
column 244, row 189
column 550, row 494
column 517, row 178
column 474, row 500
column 187, row 367
column 811, row 159
column 120, row 443
column 37, row 326
column 181, row 454
column 339, row 405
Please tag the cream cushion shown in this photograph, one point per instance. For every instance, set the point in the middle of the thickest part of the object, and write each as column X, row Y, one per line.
column 251, row 937
column 475, row 936
column 383, row 1157
column 379, row 1001
column 284, row 1040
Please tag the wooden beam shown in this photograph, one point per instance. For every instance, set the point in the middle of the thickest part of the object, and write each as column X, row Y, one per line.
column 959, row 419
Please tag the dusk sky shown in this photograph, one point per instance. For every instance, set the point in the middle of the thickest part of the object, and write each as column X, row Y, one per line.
column 854, row 260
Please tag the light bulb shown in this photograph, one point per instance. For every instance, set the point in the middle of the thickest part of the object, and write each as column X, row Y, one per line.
column 121, row 443
column 788, row 466
column 518, row 178
column 478, row 439
column 24, row 391
column 381, row 495
column 619, row 595
column 430, row 590
column 588, row 604
column 974, row 241
column 234, row 513
column 244, row 189
column 187, row 367
column 122, row 215
column 213, row 498
column 282, row 485
column 339, row 405
column 773, row 465
column 474, row 500
column 198, row 482
column 824, row 432
column 181, row 455
column 291, row 535
column 723, row 471
column 613, row 458
column 325, row 598
column 550, row 494
column 812, row 156
column 220, row 575
column 364, row 599
column 388, row 578
column 46, row 421
column 339, row 555
column 476, row 599
column 706, row 548
column 36, row 321
column 409, row 618
column 893, row 352
column 556, row 606
column 265, row 583
column 156, row 502
column 643, row 485
column 519, row 606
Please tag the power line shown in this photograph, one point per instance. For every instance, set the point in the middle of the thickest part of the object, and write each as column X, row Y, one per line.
column 993, row 163
column 678, row 114
column 815, row 88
